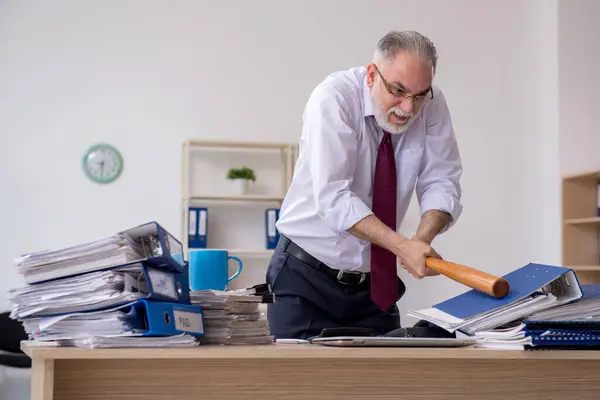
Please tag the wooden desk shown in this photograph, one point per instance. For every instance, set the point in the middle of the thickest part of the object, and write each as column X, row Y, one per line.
column 310, row 372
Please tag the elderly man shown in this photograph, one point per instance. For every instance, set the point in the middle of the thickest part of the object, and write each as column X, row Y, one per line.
column 371, row 136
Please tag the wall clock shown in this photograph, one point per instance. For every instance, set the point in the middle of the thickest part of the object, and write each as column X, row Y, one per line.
column 102, row 163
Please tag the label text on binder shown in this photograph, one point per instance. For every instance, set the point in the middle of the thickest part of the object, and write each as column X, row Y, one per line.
column 189, row 322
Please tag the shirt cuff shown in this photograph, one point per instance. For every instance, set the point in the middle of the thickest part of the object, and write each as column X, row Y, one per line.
column 442, row 202
column 352, row 212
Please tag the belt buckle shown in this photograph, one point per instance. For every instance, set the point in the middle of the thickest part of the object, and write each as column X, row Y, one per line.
column 341, row 273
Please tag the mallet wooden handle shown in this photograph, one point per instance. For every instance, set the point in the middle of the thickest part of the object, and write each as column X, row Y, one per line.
column 478, row 280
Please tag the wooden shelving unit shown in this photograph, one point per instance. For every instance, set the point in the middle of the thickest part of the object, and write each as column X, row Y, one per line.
column 581, row 225
column 214, row 193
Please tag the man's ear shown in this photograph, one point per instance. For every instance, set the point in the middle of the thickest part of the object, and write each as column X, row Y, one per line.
column 371, row 73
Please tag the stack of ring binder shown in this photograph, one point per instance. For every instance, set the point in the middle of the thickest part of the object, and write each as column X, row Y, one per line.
column 130, row 289
column 575, row 325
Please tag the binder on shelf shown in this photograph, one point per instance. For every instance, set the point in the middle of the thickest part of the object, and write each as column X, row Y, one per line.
column 197, row 227
column 100, row 290
column 149, row 243
column 533, row 288
column 598, row 198
column 140, row 318
column 272, row 234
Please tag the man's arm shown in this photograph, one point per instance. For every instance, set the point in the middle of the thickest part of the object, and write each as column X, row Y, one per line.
column 432, row 223
column 332, row 144
column 438, row 188
column 411, row 253
column 373, row 230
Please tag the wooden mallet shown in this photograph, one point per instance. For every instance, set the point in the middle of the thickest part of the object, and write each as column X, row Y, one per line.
column 473, row 278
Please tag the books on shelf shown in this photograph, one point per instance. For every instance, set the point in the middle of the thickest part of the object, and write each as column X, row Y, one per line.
column 198, row 224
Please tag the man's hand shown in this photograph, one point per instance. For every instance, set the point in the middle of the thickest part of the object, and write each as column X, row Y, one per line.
column 411, row 255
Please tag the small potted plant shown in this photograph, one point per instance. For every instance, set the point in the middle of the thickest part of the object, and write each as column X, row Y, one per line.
column 241, row 178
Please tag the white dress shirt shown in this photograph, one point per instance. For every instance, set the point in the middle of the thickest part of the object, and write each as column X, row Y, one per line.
column 332, row 186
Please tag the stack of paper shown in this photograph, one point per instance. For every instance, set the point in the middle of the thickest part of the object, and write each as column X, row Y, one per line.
column 101, row 289
column 91, row 256
column 131, row 288
column 534, row 335
column 587, row 307
column 533, row 288
column 112, row 322
column 234, row 317
column 505, row 338
column 573, row 325
column 121, row 326
column 174, row 341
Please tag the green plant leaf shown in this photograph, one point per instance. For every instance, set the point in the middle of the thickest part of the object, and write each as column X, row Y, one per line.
column 241, row 173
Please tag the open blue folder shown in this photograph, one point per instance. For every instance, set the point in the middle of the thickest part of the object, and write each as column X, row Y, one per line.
column 533, row 288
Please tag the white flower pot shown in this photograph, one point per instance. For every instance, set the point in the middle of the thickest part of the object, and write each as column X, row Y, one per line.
column 240, row 186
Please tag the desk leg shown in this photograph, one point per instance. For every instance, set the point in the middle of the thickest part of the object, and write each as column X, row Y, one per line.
column 42, row 379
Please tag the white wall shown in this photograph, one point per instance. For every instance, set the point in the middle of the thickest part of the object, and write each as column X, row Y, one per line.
column 502, row 85
column 579, row 34
column 144, row 76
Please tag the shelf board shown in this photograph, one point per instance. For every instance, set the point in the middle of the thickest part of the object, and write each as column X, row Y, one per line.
column 242, row 252
column 245, row 198
column 236, row 145
column 581, row 221
column 250, row 252
column 583, row 175
column 585, row 267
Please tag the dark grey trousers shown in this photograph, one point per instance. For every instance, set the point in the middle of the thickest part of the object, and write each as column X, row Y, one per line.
column 307, row 301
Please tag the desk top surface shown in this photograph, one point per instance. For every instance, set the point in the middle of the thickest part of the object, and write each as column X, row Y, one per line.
column 298, row 351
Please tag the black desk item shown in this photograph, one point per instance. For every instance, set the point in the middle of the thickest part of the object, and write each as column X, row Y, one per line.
column 421, row 329
column 11, row 335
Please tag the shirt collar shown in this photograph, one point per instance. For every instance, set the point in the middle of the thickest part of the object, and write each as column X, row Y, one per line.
column 368, row 104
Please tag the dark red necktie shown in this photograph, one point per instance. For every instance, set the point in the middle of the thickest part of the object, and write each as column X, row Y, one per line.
column 384, row 276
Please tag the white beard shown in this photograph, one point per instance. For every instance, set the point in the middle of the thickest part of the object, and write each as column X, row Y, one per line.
column 381, row 115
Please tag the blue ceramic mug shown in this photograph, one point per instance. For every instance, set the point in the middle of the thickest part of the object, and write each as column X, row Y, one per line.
column 209, row 269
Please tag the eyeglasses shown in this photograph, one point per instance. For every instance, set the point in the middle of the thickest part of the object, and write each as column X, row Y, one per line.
column 396, row 91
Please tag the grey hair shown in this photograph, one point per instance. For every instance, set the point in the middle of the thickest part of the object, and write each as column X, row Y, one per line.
column 410, row 41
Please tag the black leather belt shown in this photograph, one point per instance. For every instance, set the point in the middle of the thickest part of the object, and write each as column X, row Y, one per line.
column 343, row 276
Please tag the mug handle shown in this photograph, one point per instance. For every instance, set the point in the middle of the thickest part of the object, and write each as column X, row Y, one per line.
column 239, row 268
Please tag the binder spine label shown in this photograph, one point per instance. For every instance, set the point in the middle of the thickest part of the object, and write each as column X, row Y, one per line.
column 272, row 236
column 271, row 223
column 197, row 228
column 193, row 225
column 188, row 321
column 598, row 198
column 202, row 224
